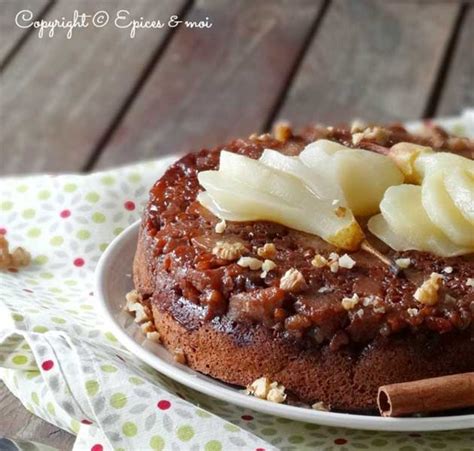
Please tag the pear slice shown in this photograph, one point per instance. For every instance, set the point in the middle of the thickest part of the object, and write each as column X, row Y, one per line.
column 364, row 177
column 263, row 179
column 442, row 211
column 415, row 161
column 459, row 184
column 403, row 211
column 380, row 228
column 251, row 194
column 427, row 163
column 208, row 202
column 320, row 182
column 314, row 152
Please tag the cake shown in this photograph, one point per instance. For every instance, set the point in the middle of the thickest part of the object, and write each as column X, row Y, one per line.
column 330, row 326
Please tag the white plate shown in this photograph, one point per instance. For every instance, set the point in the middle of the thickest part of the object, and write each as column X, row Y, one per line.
column 113, row 281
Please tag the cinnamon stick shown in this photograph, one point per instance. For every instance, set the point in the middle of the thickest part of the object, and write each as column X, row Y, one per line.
column 427, row 395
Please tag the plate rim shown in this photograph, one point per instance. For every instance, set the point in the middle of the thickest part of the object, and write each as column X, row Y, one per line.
column 174, row 372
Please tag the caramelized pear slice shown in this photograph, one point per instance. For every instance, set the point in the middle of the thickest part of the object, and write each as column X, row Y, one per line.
column 442, row 211
column 459, row 184
column 403, row 211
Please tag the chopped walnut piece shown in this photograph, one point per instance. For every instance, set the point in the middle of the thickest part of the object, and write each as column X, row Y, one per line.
column 179, row 356
column 319, row 261
column 470, row 282
column 133, row 297
column 267, row 266
column 357, row 138
column 264, row 389
column 357, row 126
column 250, row 262
column 427, row 293
column 276, row 393
column 262, row 137
column 228, row 251
column 320, row 406
column 4, row 253
column 350, row 303
column 346, row 262
column 403, row 263
column 154, row 336
column 147, row 327
column 220, row 226
column 292, row 281
column 268, row 250
column 377, row 134
column 333, row 262
column 259, row 388
column 282, row 131
column 142, row 312
column 18, row 258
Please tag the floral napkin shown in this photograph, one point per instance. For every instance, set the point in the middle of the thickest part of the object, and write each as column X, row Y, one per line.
column 59, row 359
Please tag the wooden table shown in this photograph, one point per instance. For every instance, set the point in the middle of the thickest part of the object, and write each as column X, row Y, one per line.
column 102, row 99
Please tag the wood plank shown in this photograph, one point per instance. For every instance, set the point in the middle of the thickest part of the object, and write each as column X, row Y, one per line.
column 458, row 91
column 382, row 68
column 17, row 422
column 10, row 33
column 218, row 83
column 60, row 95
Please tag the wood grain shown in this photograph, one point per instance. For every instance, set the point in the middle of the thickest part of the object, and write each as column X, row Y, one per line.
column 215, row 84
column 59, row 95
column 10, row 33
column 372, row 59
column 17, row 422
column 458, row 91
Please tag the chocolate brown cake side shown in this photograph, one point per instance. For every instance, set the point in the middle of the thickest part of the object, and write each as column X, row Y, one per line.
column 235, row 326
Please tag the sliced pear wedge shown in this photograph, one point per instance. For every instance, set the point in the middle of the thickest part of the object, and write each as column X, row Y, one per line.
column 380, row 228
column 318, row 151
column 322, row 183
column 262, row 179
column 459, row 184
column 416, row 161
column 442, row 211
column 427, row 163
column 403, row 211
column 245, row 189
column 364, row 177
